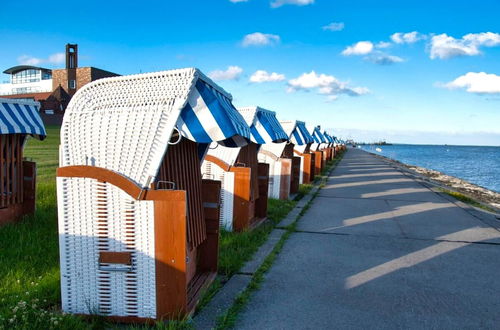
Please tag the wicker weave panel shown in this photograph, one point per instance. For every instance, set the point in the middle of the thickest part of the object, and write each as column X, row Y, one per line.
column 274, row 179
column 226, row 154
column 93, row 217
column 275, row 148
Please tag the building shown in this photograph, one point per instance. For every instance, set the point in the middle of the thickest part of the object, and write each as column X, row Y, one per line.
column 53, row 88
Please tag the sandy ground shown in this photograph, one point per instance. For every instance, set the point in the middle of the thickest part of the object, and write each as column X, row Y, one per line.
column 473, row 191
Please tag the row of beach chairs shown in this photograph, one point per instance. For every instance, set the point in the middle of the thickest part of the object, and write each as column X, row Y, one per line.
column 152, row 167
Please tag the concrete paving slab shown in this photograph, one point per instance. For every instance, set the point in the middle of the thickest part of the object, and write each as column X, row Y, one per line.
column 358, row 282
column 350, row 216
column 442, row 220
column 407, row 190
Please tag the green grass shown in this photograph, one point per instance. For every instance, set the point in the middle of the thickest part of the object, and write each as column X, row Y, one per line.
column 237, row 248
column 466, row 199
column 29, row 258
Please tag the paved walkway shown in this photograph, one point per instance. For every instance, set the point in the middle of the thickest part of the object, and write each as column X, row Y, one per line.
column 378, row 250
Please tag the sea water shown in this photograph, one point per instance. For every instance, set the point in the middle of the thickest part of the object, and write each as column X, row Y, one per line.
column 477, row 165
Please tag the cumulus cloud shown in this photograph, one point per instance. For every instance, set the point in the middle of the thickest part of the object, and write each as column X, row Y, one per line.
column 383, row 59
column 334, row 26
column 476, row 82
column 407, row 38
column 279, row 3
column 231, row 73
column 359, row 48
column 260, row 39
column 325, row 85
column 443, row 46
column 261, row 76
column 57, row 58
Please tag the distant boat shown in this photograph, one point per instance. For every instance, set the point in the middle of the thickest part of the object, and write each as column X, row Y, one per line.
column 378, row 149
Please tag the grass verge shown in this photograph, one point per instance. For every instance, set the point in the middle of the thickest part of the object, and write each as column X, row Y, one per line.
column 466, row 199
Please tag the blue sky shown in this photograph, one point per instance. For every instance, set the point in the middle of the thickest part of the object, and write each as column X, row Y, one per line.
column 437, row 80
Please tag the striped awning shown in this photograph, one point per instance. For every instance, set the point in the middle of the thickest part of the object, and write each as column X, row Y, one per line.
column 317, row 135
column 209, row 116
column 329, row 139
column 300, row 135
column 264, row 126
column 21, row 117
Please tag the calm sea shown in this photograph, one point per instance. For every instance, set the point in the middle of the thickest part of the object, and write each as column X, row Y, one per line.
column 478, row 165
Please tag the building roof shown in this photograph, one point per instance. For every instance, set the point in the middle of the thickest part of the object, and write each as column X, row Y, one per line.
column 17, row 68
column 34, row 96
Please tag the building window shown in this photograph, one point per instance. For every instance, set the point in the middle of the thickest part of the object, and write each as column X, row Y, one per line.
column 72, row 84
column 46, row 75
column 26, row 76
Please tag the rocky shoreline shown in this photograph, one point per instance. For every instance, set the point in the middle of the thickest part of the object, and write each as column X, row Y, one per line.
column 478, row 193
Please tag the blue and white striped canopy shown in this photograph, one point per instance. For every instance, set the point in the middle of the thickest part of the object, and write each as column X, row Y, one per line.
column 300, row 135
column 209, row 116
column 264, row 126
column 329, row 139
column 317, row 135
column 18, row 117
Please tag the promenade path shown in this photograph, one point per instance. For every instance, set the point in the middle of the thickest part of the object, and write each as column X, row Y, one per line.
column 379, row 250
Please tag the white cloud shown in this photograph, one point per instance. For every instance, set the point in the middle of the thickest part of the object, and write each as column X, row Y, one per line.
column 359, row 48
column 407, row 38
column 261, row 76
column 325, row 85
column 443, row 46
column 476, row 82
column 279, row 3
column 260, row 39
column 383, row 59
column 334, row 26
column 57, row 58
column 231, row 73
column 383, row 44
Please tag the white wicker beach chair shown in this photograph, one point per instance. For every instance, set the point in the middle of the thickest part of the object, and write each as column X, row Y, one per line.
column 284, row 166
column 138, row 227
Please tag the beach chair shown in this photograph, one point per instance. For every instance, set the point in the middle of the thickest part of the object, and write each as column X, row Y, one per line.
column 18, row 120
column 329, row 149
column 317, row 148
column 244, row 179
column 138, row 226
column 284, row 166
column 301, row 141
